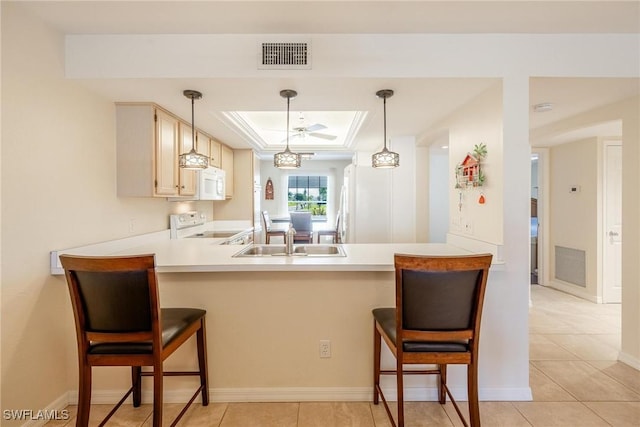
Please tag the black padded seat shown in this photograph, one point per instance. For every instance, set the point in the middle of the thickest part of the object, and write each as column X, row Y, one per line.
column 175, row 322
column 386, row 317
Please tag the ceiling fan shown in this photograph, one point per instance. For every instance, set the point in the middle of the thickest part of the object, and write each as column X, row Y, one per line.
column 302, row 131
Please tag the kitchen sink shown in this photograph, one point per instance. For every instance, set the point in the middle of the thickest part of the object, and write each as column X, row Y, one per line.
column 318, row 250
column 298, row 250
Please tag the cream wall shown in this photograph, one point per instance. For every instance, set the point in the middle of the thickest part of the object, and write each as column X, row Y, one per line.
column 574, row 216
column 58, row 191
column 479, row 121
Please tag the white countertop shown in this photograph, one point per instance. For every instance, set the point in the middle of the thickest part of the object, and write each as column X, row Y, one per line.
column 206, row 255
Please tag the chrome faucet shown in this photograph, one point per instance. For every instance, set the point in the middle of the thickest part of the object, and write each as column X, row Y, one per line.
column 291, row 232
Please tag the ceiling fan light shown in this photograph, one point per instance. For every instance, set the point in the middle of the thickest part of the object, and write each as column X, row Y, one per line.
column 385, row 159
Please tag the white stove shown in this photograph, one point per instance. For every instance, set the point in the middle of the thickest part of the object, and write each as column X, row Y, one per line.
column 194, row 225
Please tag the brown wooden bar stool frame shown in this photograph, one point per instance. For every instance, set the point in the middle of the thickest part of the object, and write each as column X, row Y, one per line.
column 270, row 231
column 436, row 320
column 334, row 232
column 133, row 335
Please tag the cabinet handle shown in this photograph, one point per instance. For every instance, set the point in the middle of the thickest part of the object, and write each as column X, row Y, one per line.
column 182, row 187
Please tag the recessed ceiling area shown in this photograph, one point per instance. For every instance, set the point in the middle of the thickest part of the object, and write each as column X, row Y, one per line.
column 308, row 130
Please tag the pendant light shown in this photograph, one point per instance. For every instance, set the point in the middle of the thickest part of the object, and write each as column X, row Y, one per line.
column 385, row 158
column 287, row 159
column 193, row 159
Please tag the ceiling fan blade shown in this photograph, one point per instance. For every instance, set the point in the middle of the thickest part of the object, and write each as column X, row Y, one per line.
column 323, row 135
column 315, row 127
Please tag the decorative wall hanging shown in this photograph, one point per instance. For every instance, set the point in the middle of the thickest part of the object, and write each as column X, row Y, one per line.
column 268, row 190
column 469, row 172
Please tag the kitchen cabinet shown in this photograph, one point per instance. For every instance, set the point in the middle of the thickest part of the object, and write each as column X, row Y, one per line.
column 227, row 164
column 215, row 148
column 186, row 177
column 203, row 144
column 146, row 151
column 149, row 140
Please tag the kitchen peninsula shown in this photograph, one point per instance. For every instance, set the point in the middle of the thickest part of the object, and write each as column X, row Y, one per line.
column 266, row 316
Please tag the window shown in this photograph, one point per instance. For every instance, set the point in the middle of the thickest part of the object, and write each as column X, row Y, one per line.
column 308, row 193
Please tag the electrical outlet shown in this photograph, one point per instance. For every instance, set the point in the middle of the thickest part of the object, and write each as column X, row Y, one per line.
column 325, row 348
column 132, row 225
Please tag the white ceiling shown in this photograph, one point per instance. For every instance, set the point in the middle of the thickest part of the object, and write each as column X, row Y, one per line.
column 417, row 103
column 338, row 17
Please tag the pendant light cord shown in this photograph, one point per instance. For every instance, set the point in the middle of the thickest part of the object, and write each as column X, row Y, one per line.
column 288, row 101
column 193, row 124
column 384, row 104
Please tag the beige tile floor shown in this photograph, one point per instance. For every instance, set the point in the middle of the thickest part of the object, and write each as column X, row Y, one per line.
column 574, row 377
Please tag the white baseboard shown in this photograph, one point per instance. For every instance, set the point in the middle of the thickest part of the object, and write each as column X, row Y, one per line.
column 311, row 394
column 577, row 291
column 629, row 360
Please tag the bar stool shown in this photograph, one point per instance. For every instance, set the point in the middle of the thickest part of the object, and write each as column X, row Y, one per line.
column 119, row 322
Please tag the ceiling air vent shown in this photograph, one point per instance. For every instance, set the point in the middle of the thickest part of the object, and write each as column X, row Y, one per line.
column 285, row 56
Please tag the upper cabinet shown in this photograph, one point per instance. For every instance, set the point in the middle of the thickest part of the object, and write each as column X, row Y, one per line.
column 186, row 177
column 226, row 163
column 215, row 150
column 149, row 141
column 147, row 149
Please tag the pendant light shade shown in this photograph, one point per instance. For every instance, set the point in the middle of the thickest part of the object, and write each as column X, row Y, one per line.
column 193, row 159
column 287, row 159
column 385, row 158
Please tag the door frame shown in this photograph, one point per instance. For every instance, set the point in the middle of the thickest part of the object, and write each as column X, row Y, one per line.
column 543, row 213
column 603, row 239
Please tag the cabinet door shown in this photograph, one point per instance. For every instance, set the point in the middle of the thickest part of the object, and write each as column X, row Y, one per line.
column 166, row 143
column 203, row 144
column 226, row 162
column 214, row 152
column 187, row 176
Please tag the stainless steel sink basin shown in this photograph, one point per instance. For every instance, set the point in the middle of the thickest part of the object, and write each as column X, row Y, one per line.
column 298, row 250
column 318, row 250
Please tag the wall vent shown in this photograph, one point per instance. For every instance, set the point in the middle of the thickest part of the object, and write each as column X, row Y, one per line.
column 285, row 56
column 571, row 265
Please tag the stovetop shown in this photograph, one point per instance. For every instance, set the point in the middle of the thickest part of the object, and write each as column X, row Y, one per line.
column 215, row 234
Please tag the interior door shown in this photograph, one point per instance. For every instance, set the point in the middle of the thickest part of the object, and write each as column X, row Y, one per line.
column 612, row 200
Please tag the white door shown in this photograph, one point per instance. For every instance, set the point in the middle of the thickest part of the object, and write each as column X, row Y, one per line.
column 612, row 200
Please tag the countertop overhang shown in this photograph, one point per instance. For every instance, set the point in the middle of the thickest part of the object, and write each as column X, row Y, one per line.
column 206, row 255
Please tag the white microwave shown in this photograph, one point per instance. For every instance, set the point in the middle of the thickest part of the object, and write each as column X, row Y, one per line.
column 211, row 185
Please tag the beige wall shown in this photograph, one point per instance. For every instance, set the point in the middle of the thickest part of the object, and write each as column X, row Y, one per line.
column 630, row 113
column 574, row 216
column 58, row 191
column 479, row 121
